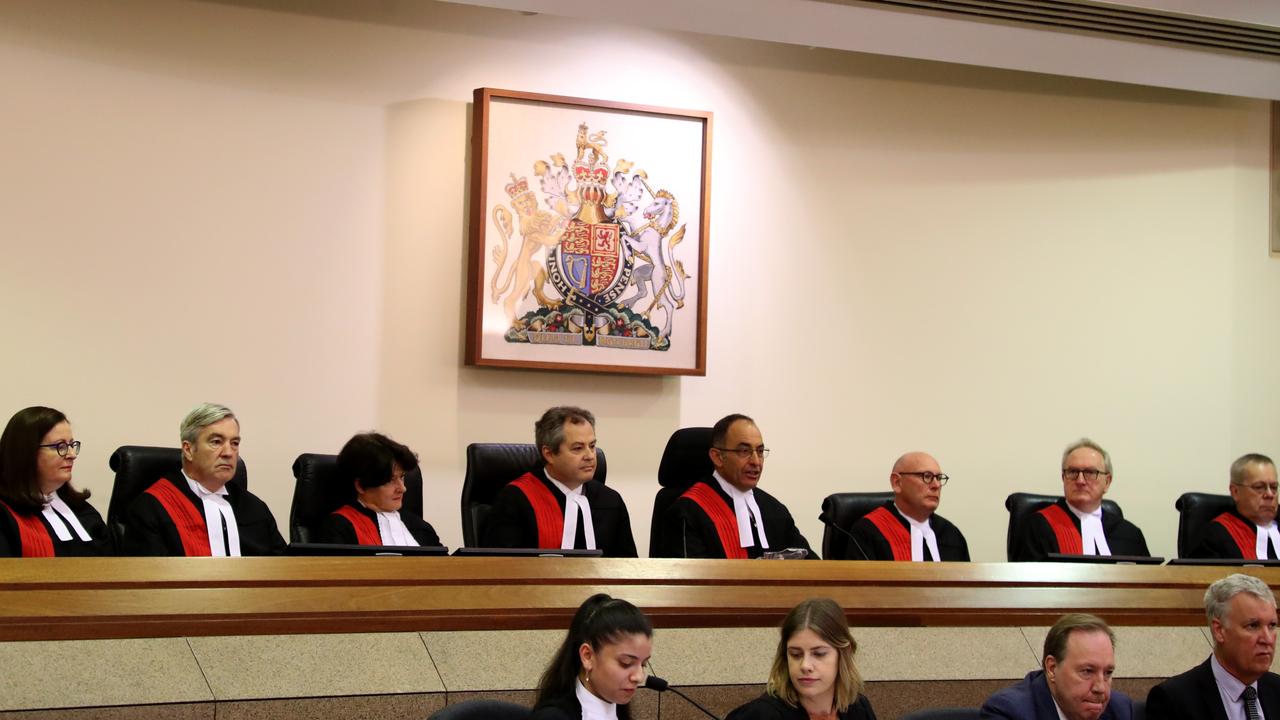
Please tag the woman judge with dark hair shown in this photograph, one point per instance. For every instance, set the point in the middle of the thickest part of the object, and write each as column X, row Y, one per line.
column 371, row 469
column 813, row 675
column 597, row 669
column 41, row 514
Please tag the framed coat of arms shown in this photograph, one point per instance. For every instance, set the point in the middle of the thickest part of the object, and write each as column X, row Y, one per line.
column 589, row 235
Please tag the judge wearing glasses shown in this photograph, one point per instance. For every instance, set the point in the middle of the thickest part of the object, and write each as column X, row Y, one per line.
column 727, row 515
column 1076, row 524
column 1249, row 530
column 908, row 528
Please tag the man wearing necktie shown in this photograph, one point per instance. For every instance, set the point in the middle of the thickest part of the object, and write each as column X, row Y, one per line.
column 558, row 505
column 1076, row 524
column 200, row 512
column 1236, row 682
column 1249, row 530
column 727, row 515
column 908, row 527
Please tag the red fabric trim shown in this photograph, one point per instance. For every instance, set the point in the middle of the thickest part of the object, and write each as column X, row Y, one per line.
column 722, row 517
column 32, row 533
column 889, row 526
column 1245, row 537
column 1069, row 540
column 186, row 517
column 366, row 530
column 547, row 513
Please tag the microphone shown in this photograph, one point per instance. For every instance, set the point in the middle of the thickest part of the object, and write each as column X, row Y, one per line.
column 653, row 682
column 826, row 520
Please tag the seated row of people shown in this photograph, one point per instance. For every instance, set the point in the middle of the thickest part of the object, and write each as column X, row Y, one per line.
column 558, row 505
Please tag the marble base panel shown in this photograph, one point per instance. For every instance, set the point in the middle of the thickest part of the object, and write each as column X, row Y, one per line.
column 171, row 711
column 362, row 707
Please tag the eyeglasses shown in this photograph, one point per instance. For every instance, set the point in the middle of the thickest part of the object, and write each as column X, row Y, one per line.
column 928, row 478
column 1089, row 473
column 745, row 453
column 62, row 447
column 1262, row 487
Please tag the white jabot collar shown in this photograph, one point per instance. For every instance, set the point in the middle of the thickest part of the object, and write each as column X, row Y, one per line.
column 575, row 503
column 59, row 515
column 1092, row 539
column 217, row 515
column 921, row 535
column 391, row 528
column 744, row 508
column 593, row 708
column 1265, row 532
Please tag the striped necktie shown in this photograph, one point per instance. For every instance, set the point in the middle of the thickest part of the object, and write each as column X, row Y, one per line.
column 1250, row 696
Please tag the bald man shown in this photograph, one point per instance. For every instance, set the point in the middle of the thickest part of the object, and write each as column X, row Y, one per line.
column 908, row 527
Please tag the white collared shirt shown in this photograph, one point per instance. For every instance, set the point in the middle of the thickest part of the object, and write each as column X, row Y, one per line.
column 217, row 515
column 391, row 528
column 921, row 535
column 1092, row 539
column 593, row 708
column 62, row 519
column 575, row 504
column 744, row 509
column 1231, row 691
column 1265, row 532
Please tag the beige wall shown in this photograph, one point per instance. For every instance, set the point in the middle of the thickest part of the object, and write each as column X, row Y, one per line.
column 200, row 201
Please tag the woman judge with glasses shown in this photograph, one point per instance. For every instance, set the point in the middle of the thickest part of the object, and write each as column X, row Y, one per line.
column 371, row 469
column 597, row 669
column 813, row 675
column 41, row 514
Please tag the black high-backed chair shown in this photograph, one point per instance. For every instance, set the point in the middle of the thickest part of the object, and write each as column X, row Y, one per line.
column 1195, row 511
column 482, row 710
column 1020, row 505
column 684, row 461
column 316, row 493
column 844, row 509
column 490, row 467
column 137, row 467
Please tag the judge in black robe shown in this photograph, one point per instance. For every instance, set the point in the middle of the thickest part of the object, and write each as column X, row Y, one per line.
column 99, row 543
column 951, row 542
column 1216, row 542
column 339, row 530
column 150, row 531
column 511, row 522
column 688, row 532
column 769, row 707
column 1034, row 539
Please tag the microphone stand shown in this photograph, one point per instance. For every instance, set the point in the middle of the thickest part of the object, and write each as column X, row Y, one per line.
column 653, row 682
column 826, row 520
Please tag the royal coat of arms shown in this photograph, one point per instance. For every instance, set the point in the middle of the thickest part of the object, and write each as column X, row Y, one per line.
column 596, row 261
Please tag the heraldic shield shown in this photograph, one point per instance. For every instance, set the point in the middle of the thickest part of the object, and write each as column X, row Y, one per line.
column 590, row 259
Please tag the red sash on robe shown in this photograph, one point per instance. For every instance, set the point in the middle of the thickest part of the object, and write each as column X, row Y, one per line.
column 366, row 530
column 547, row 513
column 32, row 533
column 186, row 517
column 1069, row 540
column 899, row 537
column 1244, row 536
column 722, row 517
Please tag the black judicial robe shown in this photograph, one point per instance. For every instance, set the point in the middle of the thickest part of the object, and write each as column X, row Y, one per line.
column 150, row 531
column 1193, row 695
column 1217, row 543
column 768, row 707
column 100, row 542
column 951, row 542
column 511, row 522
column 339, row 530
column 689, row 532
column 1033, row 539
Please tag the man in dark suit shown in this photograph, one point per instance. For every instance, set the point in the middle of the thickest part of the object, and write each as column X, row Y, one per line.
column 727, row 515
column 908, row 527
column 1076, row 524
column 1236, row 680
column 1249, row 530
column 558, row 505
column 1074, row 679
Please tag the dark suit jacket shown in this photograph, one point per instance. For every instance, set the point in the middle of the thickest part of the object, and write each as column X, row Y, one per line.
column 768, row 707
column 1030, row 700
column 689, row 532
column 1193, row 695
column 1034, row 539
column 951, row 542
column 511, row 522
